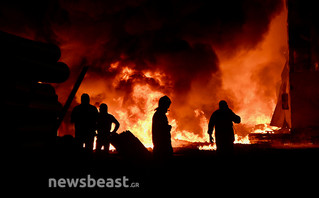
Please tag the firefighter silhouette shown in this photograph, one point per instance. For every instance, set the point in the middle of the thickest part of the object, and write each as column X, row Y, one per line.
column 222, row 120
column 161, row 130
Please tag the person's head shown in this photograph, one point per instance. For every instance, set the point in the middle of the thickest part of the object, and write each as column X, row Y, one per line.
column 164, row 103
column 223, row 104
column 85, row 99
column 103, row 108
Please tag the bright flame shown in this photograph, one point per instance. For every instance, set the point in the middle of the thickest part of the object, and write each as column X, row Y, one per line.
column 142, row 125
column 209, row 147
column 253, row 75
column 238, row 140
column 250, row 77
column 124, row 75
column 112, row 148
column 241, row 140
column 266, row 129
column 188, row 136
column 94, row 144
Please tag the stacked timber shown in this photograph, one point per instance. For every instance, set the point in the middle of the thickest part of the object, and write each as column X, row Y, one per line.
column 31, row 104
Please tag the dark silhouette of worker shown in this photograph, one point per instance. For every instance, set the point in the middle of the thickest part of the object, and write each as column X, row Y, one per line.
column 104, row 125
column 222, row 119
column 84, row 118
column 161, row 130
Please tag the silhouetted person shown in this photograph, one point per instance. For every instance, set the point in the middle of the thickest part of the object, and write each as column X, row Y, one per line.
column 222, row 119
column 84, row 118
column 161, row 130
column 104, row 125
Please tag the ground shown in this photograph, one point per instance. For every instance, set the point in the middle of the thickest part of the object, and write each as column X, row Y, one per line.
column 252, row 169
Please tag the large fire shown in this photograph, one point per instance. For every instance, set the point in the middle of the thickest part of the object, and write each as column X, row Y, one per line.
column 253, row 84
column 196, row 53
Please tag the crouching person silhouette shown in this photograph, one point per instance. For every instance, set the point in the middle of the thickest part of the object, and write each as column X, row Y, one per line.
column 84, row 118
column 161, row 130
column 222, row 120
column 104, row 125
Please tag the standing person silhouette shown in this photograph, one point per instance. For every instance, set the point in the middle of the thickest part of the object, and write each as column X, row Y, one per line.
column 84, row 118
column 161, row 130
column 104, row 125
column 222, row 120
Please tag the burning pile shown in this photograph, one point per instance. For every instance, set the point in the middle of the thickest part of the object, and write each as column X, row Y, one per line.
column 195, row 52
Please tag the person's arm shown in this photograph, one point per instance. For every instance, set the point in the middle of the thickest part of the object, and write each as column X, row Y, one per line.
column 236, row 118
column 117, row 125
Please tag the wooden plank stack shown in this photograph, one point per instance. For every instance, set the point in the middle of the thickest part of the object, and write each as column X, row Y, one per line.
column 31, row 104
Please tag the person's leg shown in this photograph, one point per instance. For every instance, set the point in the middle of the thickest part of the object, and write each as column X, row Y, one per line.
column 89, row 143
column 99, row 143
column 106, row 145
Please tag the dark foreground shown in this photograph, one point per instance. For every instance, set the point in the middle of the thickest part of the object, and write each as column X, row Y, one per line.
column 252, row 170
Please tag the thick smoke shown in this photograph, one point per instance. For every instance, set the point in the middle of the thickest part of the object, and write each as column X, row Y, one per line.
column 176, row 38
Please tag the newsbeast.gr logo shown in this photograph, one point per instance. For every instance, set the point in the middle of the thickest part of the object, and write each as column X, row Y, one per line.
column 90, row 182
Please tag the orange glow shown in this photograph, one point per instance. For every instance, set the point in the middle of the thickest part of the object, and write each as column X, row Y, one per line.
column 241, row 140
column 249, row 78
column 142, row 125
column 253, row 76
column 114, row 66
column 266, row 129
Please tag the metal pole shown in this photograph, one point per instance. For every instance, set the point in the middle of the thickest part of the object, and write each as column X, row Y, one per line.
column 72, row 95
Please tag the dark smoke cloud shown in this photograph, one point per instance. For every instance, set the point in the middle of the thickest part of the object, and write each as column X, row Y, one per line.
column 176, row 37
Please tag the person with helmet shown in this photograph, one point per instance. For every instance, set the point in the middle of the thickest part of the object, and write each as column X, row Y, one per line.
column 161, row 130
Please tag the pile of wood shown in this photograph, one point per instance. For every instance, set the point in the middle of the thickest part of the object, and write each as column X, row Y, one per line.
column 31, row 104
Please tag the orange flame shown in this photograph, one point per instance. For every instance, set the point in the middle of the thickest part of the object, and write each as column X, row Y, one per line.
column 250, row 76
